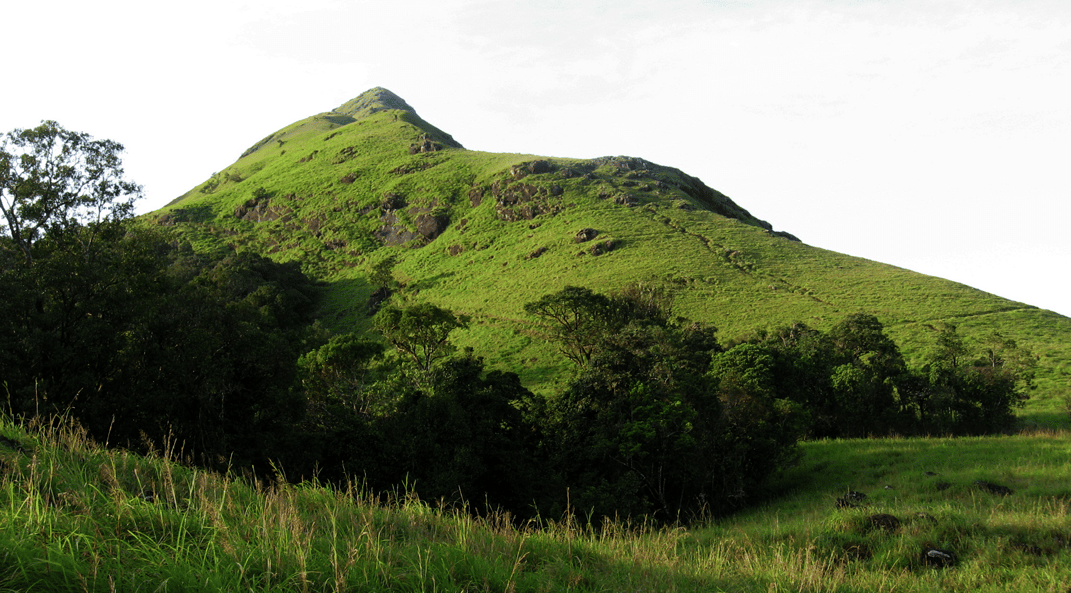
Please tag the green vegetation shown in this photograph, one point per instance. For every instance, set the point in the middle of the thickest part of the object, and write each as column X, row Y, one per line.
column 482, row 234
column 305, row 320
column 77, row 517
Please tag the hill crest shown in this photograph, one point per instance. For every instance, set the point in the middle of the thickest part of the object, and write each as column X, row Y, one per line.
column 373, row 101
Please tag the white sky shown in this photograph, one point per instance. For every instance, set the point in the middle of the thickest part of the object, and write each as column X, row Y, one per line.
column 932, row 135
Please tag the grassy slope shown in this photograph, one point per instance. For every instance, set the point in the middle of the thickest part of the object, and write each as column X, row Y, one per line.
column 324, row 181
column 77, row 517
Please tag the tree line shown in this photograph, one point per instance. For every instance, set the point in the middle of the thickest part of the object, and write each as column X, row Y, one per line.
column 146, row 342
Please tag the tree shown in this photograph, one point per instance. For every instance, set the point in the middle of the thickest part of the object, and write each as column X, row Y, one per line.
column 421, row 332
column 864, row 380
column 55, row 182
column 579, row 318
column 338, row 375
column 584, row 322
column 958, row 393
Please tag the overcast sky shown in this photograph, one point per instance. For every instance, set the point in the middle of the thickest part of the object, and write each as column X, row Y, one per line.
column 932, row 135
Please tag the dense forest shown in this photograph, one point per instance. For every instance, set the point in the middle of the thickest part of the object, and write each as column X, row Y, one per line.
column 148, row 343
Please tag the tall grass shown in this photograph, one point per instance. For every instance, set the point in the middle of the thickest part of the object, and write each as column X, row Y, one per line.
column 77, row 517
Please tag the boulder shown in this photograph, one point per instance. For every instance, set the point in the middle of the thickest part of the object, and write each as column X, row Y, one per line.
column 885, row 522
column 584, row 235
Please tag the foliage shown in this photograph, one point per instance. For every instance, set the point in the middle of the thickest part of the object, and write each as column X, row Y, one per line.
column 719, row 270
column 641, row 429
column 421, row 331
column 854, row 382
column 382, row 273
column 340, row 374
column 970, row 391
column 144, row 340
column 580, row 320
column 60, row 185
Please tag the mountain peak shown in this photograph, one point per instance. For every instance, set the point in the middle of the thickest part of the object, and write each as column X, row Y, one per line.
column 372, row 101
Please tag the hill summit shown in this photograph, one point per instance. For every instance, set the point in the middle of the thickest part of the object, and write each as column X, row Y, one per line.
column 373, row 101
column 483, row 233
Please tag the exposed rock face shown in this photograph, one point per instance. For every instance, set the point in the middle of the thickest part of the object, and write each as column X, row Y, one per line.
column 430, row 226
column 393, row 233
column 257, row 210
column 425, row 145
column 428, row 223
column 523, row 201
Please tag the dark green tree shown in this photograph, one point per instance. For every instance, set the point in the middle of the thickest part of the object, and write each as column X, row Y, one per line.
column 578, row 320
column 803, row 366
column 341, row 374
column 420, row 332
column 960, row 391
column 761, row 425
column 865, row 378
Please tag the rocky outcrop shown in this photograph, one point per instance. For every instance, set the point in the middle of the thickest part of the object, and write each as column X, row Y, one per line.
column 585, row 235
column 258, row 209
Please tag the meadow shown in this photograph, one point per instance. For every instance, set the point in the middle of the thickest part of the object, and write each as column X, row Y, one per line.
column 77, row 516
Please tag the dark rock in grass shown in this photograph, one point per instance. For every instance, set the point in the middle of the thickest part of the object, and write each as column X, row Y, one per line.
column 12, row 444
column 926, row 517
column 937, row 558
column 858, row 551
column 536, row 253
column 1028, row 548
column 584, row 235
column 540, row 166
column 842, row 503
column 431, row 226
column 885, row 522
column 603, row 247
column 930, row 474
column 943, row 486
column 379, row 295
column 392, row 201
column 992, row 488
column 850, row 500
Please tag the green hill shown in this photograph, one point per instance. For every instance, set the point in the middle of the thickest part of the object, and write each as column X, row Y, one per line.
column 483, row 233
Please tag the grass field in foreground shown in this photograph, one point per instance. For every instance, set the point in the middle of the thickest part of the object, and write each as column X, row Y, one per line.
column 77, row 517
